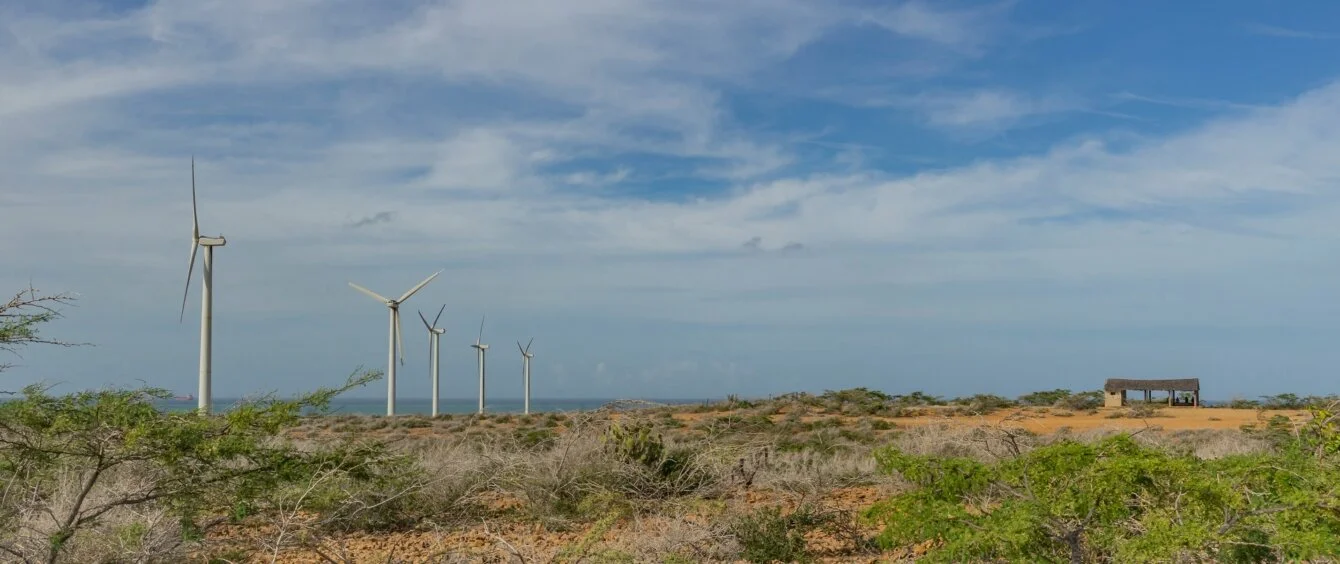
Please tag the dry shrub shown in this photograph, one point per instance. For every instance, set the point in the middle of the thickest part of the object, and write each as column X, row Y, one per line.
column 677, row 538
column 143, row 533
column 810, row 473
column 941, row 440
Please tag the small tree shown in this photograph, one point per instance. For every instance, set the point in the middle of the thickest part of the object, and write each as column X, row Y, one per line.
column 21, row 316
column 71, row 460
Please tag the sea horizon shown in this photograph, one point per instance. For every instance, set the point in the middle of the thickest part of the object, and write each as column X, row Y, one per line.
column 455, row 406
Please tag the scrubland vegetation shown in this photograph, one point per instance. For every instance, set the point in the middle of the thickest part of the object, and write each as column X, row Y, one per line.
column 850, row 475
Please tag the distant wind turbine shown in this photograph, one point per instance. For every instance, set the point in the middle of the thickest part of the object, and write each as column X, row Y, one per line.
column 526, row 355
column 394, row 345
column 434, row 333
column 481, row 351
column 206, row 297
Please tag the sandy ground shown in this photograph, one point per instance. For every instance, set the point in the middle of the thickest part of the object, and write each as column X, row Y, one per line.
column 1047, row 420
column 1171, row 419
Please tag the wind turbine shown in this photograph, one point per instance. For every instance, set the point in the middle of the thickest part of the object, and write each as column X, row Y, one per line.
column 394, row 345
column 434, row 333
column 206, row 296
column 525, row 370
column 480, row 352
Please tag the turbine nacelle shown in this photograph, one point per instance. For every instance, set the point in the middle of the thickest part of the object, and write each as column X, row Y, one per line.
column 432, row 327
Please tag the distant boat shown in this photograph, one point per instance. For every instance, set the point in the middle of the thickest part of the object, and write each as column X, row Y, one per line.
column 187, row 397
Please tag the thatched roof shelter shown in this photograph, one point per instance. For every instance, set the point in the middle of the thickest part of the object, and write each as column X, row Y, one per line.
column 1114, row 385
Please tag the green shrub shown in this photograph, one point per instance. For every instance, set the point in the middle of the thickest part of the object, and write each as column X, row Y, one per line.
column 918, row 399
column 1082, row 401
column 982, row 404
column 1044, row 399
column 415, row 423
column 1116, row 501
column 768, row 536
column 639, row 444
column 535, row 438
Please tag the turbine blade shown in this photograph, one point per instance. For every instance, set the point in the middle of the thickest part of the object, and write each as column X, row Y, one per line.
column 518, row 347
column 481, row 330
column 374, row 295
column 425, row 322
column 190, row 271
column 439, row 315
column 195, row 216
column 532, row 340
column 417, row 288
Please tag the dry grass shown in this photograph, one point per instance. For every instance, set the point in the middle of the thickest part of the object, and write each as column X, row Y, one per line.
column 548, row 488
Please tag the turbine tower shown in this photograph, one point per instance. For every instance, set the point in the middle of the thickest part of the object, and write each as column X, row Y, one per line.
column 394, row 344
column 206, row 297
column 525, row 370
column 434, row 333
column 480, row 351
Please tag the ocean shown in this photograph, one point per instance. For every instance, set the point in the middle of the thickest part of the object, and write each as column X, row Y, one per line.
column 423, row 406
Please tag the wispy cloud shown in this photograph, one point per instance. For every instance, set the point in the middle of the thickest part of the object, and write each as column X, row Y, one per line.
column 965, row 29
column 988, row 110
column 1190, row 103
column 1290, row 33
column 374, row 219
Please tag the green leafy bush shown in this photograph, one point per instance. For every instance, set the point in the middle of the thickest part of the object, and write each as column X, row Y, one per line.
column 1082, row 401
column 1044, row 399
column 982, row 404
column 768, row 536
column 1117, row 501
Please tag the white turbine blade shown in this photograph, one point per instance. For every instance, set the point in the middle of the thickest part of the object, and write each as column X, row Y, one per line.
column 481, row 330
column 532, row 340
column 425, row 322
column 195, row 216
column 518, row 347
column 417, row 288
column 190, row 271
column 399, row 345
column 374, row 295
column 439, row 315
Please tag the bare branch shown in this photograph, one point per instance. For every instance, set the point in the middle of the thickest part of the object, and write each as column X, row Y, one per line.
column 23, row 313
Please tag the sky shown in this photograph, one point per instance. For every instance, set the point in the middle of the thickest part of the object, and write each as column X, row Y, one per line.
column 681, row 198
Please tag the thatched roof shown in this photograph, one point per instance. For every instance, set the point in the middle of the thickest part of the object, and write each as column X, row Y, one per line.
column 1178, row 385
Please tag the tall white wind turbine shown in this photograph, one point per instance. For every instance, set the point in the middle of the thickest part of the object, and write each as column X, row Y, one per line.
column 480, row 351
column 526, row 355
column 206, row 297
column 434, row 333
column 394, row 344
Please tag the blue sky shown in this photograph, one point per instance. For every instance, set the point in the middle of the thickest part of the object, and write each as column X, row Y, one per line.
column 683, row 198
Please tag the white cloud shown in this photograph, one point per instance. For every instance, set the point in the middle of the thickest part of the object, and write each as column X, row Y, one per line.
column 986, row 109
column 605, row 94
column 1285, row 32
column 962, row 29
